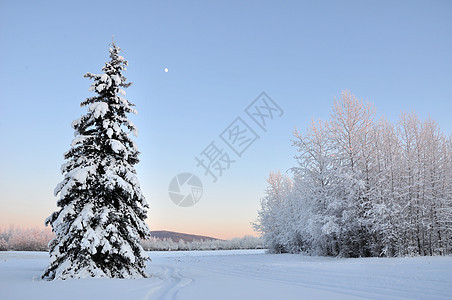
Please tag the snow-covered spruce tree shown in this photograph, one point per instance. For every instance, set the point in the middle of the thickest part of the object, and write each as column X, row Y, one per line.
column 102, row 210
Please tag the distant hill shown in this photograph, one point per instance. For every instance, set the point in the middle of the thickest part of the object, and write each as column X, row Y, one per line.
column 176, row 236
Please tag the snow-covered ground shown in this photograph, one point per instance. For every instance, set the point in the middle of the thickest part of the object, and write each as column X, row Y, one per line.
column 241, row 274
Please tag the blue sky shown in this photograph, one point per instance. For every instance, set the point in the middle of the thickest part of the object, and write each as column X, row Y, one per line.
column 221, row 55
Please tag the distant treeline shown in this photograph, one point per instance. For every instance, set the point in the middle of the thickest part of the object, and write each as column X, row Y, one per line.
column 18, row 239
column 246, row 242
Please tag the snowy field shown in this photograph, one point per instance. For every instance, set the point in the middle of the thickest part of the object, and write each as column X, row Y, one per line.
column 239, row 274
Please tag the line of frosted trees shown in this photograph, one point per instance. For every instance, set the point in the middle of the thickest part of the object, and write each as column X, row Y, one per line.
column 34, row 239
column 362, row 187
column 166, row 244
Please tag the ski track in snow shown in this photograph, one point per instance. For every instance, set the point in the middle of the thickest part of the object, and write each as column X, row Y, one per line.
column 172, row 282
column 239, row 274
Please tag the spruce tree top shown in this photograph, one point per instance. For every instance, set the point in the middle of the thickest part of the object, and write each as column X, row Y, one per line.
column 100, row 139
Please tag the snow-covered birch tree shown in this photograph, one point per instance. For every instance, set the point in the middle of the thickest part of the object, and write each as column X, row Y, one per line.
column 350, row 130
column 102, row 209
column 272, row 218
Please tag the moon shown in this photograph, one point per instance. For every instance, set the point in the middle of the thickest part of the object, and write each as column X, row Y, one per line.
column 166, row 70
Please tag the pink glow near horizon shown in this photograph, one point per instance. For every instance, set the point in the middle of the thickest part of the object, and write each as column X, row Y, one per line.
column 37, row 222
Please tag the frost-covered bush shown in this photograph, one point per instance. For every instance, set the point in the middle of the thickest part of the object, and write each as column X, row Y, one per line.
column 3, row 244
